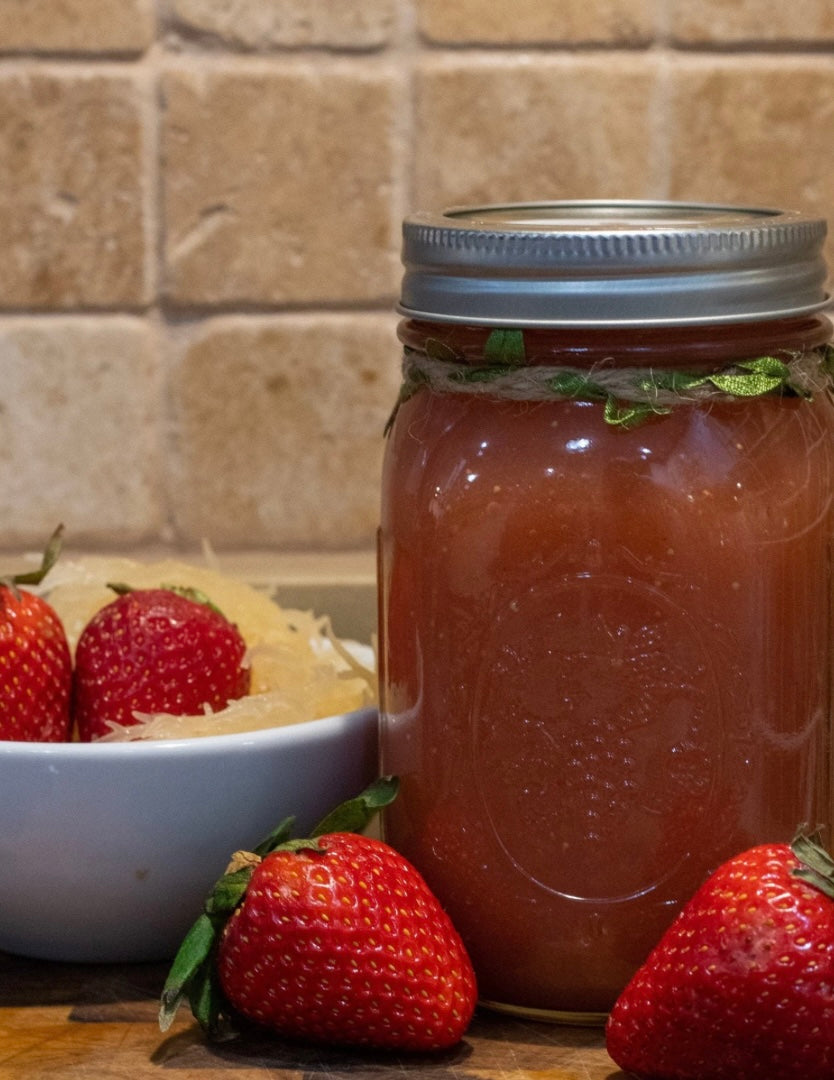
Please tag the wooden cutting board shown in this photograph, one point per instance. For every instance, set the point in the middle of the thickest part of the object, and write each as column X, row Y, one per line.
column 91, row 1022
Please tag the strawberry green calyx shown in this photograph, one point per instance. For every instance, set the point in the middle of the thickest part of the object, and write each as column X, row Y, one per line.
column 48, row 560
column 193, row 971
column 817, row 866
column 355, row 814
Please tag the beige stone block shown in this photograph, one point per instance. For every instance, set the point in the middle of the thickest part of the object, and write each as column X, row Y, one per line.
column 514, row 22
column 267, row 24
column 533, row 126
column 755, row 130
column 80, row 424
column 717, row 21
column 280, row 183
column 73, row 178
column 279, row 421
column 76, row 26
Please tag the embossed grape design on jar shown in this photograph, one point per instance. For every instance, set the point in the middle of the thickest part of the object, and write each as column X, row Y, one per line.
column 604, row 555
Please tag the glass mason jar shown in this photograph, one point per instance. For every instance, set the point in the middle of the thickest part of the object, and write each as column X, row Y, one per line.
column 605, row 558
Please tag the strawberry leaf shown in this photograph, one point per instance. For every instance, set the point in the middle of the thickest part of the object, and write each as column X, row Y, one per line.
column 50, row 557
column 192, row 971
column 208, row 1003
column 228, row 892
column 356, row 814
column 817, row 865
column 195, row 950
column 440, row 350
column 281, row 833
column 505, row 347
column 197, row 595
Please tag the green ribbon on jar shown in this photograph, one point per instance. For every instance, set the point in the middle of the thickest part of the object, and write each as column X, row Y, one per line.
column 630, row 395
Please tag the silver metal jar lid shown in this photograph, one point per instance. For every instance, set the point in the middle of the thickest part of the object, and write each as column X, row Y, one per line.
column 611, row 263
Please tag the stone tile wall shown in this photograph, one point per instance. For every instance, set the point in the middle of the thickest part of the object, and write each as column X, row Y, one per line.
column 199, row 221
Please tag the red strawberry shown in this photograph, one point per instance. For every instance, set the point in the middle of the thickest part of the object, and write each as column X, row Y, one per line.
column 335, row 939
column 35, row 664
column 742, row 983
column 155, row 650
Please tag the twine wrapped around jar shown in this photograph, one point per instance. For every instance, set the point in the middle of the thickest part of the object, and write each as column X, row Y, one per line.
column 630, row 394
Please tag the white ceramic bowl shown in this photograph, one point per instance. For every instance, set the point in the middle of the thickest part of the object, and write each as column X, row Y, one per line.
column 108, row 850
